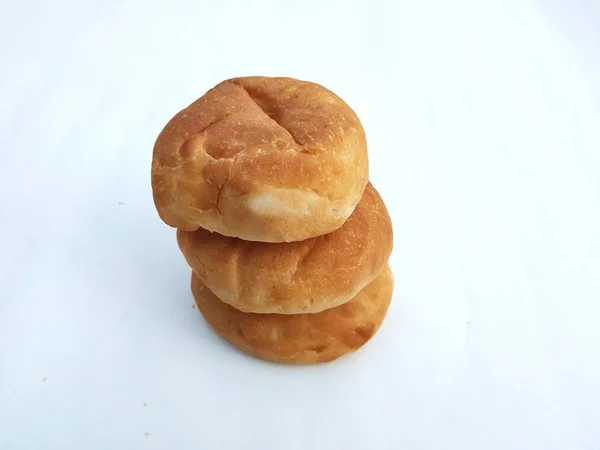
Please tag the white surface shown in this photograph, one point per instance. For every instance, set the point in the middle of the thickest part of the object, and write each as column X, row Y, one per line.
column 484, row 131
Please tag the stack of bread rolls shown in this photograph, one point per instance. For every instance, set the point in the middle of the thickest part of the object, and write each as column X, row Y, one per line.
column 267, row 182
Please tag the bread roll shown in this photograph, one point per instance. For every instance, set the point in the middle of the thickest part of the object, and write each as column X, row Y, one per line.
column 300, row 338
column 261, row 159
column 295, row 277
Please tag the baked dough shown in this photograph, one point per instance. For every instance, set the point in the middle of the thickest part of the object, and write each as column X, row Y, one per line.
column 300, row 338
column 296, row 277
column 261, row 159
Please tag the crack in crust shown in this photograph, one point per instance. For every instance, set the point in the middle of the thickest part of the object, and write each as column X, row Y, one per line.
column 262, row 102
column 188, row 149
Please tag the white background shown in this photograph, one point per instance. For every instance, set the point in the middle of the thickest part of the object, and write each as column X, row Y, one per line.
column 483, row 123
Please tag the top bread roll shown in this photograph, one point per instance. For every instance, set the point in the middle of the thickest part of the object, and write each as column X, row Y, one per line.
column 261, row 159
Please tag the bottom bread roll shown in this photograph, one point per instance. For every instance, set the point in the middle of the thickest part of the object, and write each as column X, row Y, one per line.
column 300, row 338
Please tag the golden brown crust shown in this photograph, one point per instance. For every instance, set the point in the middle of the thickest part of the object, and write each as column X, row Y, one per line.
column 300, row 338
column 262, row 159
column 295, row 277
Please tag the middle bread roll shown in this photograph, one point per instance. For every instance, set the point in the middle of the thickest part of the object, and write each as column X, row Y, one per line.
column 297, row 277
